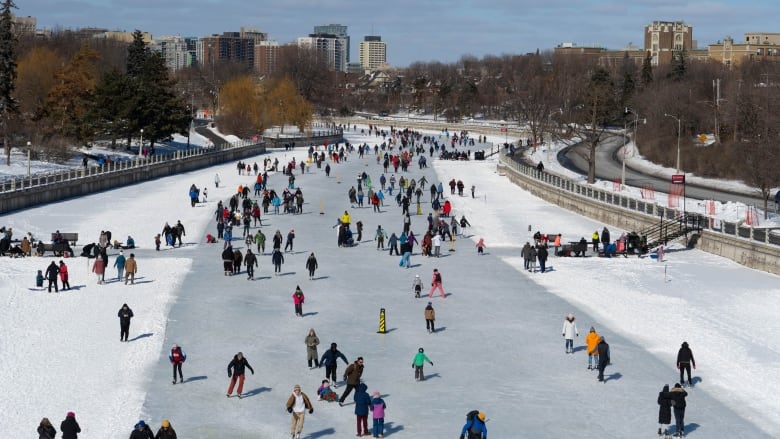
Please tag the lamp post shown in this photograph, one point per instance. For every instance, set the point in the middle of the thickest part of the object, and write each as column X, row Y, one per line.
column 678, row 138
column 28, row 159
column 141, row 146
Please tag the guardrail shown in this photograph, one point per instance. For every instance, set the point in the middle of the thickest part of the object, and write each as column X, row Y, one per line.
column 560, row 183
column 19, row 183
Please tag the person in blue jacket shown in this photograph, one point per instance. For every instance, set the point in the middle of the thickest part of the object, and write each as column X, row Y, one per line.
column 475, row 427
column 362, row 404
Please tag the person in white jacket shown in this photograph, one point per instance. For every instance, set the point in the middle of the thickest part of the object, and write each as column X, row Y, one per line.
column 569, row 331
column 436, row 241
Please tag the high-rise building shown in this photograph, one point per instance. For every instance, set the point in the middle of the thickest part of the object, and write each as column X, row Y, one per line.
column 174, row 51
column 664, row 38
column 339, row 31
column 331, row 47
column 266, row 57
column 373, row 52
column 230, row 46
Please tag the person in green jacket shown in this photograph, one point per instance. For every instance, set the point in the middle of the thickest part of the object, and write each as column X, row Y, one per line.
column 418, row 363
column 260, row 241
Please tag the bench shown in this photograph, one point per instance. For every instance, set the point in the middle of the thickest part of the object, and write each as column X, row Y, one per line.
column 573, row 249
column 58, row 249
column 72, row 238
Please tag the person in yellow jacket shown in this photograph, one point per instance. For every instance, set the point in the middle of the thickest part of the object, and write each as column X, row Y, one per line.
column 595, row 240
column 592, row 340
column 345, row 219
column 131, row 268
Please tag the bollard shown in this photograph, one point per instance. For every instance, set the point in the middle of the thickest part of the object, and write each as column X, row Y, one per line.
column 419, row 210
column 382, row 326
column 322, row 209
column 529, row 227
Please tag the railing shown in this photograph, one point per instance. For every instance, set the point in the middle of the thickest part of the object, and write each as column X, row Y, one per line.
column 669, row 230
column 19, row 183
column 560, row 183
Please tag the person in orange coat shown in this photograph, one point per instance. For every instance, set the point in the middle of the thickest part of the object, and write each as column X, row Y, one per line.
column 557, row 244
column 592, row 340
column 64, row 276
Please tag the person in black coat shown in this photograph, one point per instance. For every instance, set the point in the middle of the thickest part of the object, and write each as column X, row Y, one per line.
column 236, row 369
column 664, row 410
column 70, row 428
column 602, row 350
column 46, row 430
column 278, row 259
column 685, row 361
column 311, row 265
column 124, row 314
column 677, row 396
column 541, row 254
column 330, row 361
column 142, row 431
column 52, row 273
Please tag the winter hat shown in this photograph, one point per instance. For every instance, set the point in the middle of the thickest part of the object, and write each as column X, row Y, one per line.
column 685, row 344
column 430, row 303
column 376, row 394
column 677, row 386
column 121, row 252
column 570, row 316
column 416, row 275
column 140, row 424
column 592, row 329
column 421, row 350
column 481, row 416
column 296, row 387
column 333, row 345
column 70, row 415
column 166, row 423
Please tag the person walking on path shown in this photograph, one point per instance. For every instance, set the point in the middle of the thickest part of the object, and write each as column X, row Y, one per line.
column 602, row 349
column 541, row 253
column 278, row 259
column 591, row 341
column 481, row 246
column 166, row 431
column 70, row 427
column 526, row 254
column 250, row 260
column 532, row 259
column 378, row 407
column 289, row 242
column 46, row 430
column 131, row 268
column 64, row 276
column 260, row 241
column 312, row 341
column 330, row 361
column 392, row 242
column 124, row 314
column 436, row 283
column 99, row 268
column 52, row 273
column 141, row 431
column 664, row 411
column 594, row 238
column 236, row 370
column 417, row 285
column 177, row 357
column 298, row 299
column 677, row 396
column 362, row 407
column 379, row 237
column 430, row 317
column 311, row 265
column 684, row 362
column 569, row 331
column 352, row 376
column 119, row 264
column 417, row 364
column 297, row 404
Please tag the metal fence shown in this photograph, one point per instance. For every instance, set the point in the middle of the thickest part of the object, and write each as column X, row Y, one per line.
column 19, row 183
column 560, row 183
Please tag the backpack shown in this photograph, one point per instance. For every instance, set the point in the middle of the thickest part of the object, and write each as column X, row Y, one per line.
column 471, row 418
column 438, row 280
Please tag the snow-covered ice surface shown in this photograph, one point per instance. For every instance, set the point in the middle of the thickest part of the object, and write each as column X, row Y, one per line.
column 497, row 348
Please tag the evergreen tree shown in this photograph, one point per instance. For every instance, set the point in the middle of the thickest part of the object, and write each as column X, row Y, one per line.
column 8, row 105
column 647, row 70
column 111, row 111
column 628, row 87
column 679, row 69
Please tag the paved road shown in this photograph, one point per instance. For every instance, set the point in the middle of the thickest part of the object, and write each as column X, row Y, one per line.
column 609, row 167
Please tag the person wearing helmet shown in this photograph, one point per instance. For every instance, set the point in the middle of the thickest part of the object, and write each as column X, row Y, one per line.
column 475, row 427
column 430, row 317
column 417, row 364
column 417, row 285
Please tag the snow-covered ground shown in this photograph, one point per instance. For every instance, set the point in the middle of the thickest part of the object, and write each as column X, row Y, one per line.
column 498, row 346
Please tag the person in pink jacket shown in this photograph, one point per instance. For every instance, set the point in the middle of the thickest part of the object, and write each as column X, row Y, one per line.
column 481, row 246
column 99, row 267
column 298, row 301
column 378, row 407
column 436, row 284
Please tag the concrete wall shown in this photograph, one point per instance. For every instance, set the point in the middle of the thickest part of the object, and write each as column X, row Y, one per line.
column 129, row 173
column 750, row 254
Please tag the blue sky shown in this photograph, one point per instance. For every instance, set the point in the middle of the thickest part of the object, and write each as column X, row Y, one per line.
column 420, row 30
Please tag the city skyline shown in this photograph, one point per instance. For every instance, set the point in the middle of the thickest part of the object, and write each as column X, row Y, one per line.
column 434, row 32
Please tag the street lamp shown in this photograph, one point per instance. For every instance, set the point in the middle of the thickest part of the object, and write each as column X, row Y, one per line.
column 141, row 146
column 678, row 138
column 28, row 159
column 626, row 124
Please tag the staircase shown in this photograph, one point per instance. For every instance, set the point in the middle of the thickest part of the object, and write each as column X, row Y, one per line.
column 670, row 230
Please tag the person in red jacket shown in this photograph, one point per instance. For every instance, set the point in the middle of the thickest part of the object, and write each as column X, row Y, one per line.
column 64, row 276
column 298, row 299
column 436, row 284
column 177, row 357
